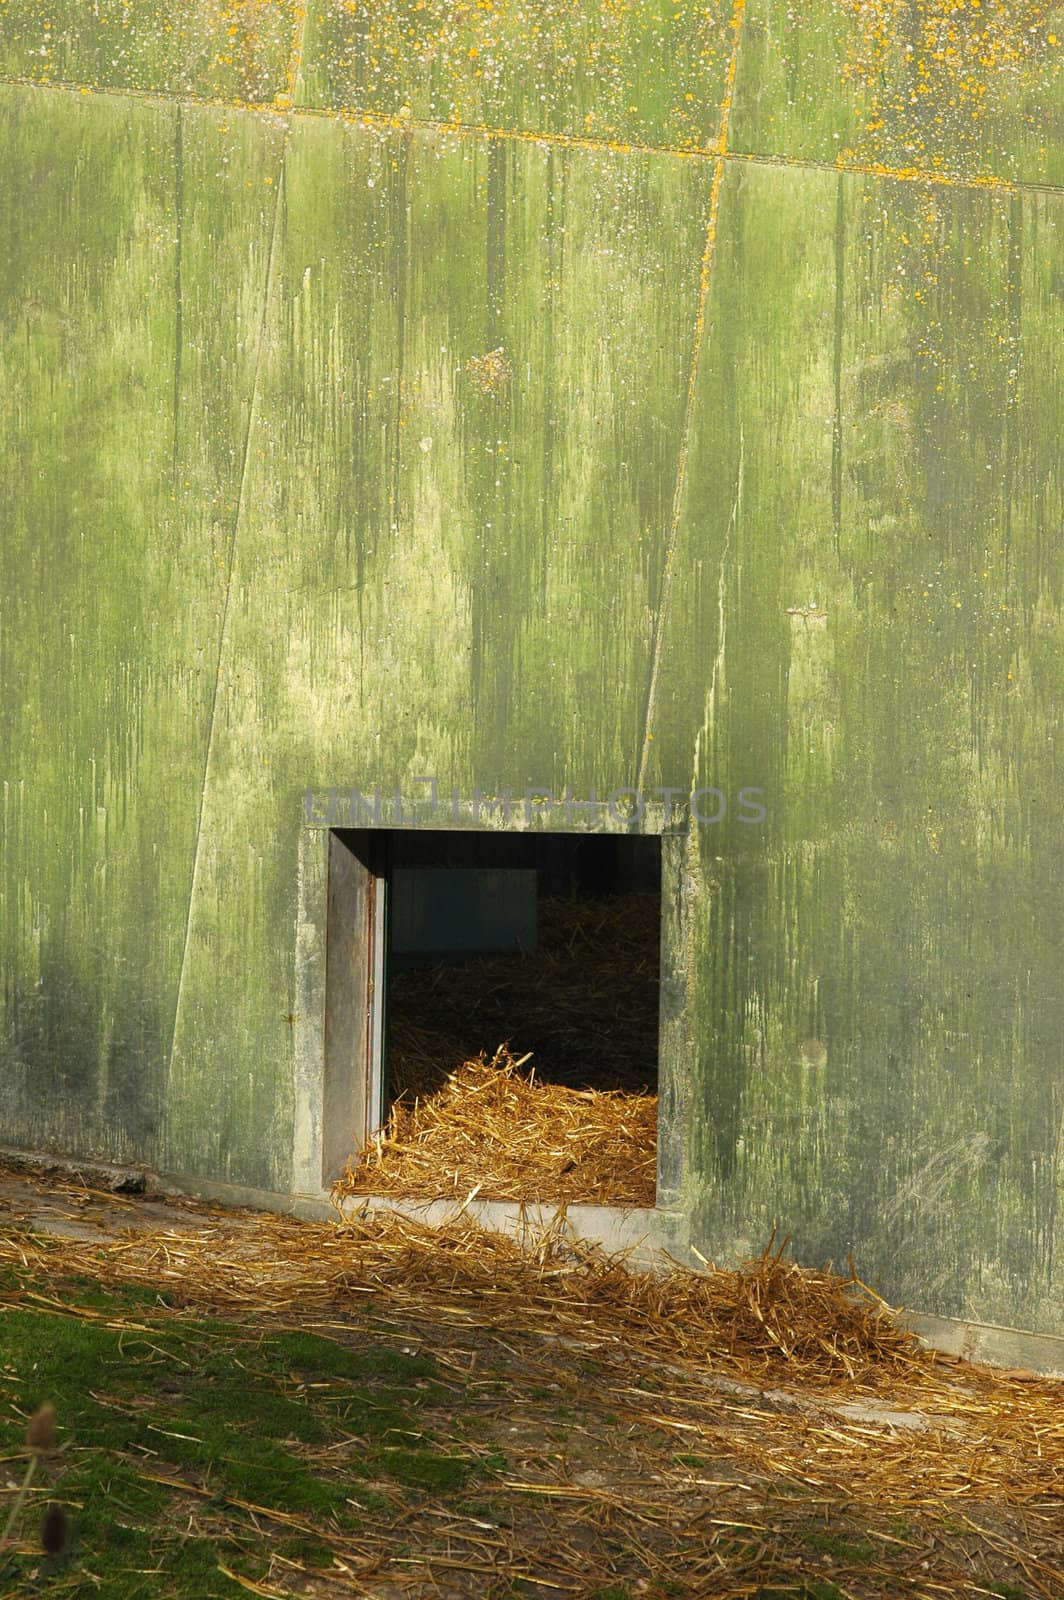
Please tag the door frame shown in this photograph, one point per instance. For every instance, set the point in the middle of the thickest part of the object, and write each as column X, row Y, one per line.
column 339, row 995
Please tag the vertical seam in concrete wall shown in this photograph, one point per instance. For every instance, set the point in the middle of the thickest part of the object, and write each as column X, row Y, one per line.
column 179, row 239
column 692, row 385
column 230, row 565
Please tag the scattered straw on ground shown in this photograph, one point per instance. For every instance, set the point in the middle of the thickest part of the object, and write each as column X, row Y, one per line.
column 760, row 1404
column 766, row 1320
column 497, row 1131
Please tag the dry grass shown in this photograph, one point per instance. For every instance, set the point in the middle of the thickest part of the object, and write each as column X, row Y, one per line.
column 762, row 1322
column 766, row 1320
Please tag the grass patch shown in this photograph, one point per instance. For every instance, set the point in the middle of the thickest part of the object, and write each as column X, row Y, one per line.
column 424, row 1469
column 308, row 1552
column 240, row 1417
column 841, row 1548
column 87, row 1293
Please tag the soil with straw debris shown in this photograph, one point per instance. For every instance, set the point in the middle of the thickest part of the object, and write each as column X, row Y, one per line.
column 764, row 1432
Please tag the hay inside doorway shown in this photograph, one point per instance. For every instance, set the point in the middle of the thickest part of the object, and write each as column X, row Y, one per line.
column 518, row 1029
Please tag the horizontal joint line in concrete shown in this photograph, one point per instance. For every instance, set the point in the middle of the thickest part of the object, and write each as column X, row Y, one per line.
column 282, row 107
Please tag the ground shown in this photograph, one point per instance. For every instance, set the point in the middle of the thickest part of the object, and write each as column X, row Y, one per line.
column 251, row 1403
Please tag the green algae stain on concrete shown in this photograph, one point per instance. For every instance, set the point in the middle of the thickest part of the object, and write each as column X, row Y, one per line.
column 119, row 288
column 582, row 269
column 347, row 456
column 970, row 88
column 459, row 479
column 303, row 670
column 234, row 50
column 638, row 71
column 879, row 1020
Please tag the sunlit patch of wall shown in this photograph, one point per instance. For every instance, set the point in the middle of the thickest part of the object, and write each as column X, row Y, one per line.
column 130, row 255
column 232, row 50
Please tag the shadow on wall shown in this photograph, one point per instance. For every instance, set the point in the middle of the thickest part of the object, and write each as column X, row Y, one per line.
column 82, row 1062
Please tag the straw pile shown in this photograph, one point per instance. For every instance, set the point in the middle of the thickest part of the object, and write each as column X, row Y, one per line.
column 573, row 1118
column 767, row 1319
column 496, row 1131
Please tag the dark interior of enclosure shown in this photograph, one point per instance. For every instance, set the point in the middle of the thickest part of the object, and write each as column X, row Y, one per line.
column 548, row 943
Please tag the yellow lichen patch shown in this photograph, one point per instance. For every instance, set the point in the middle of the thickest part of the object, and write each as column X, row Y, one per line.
column 241, row 51
column 491, row 373
column 933, row 76
column 610, row 70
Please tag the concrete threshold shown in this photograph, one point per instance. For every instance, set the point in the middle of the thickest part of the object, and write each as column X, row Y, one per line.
column 642, row 1235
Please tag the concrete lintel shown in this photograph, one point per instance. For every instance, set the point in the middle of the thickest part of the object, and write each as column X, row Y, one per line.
column 535, row 810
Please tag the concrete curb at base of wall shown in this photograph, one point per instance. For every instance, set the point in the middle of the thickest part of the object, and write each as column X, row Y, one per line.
column 650, row 1238
column 989, row 1343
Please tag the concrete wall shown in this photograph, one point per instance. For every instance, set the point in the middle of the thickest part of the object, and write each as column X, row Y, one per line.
column 765, row 491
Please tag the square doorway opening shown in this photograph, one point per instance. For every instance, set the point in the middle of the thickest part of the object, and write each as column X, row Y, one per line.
column 492, row 1001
